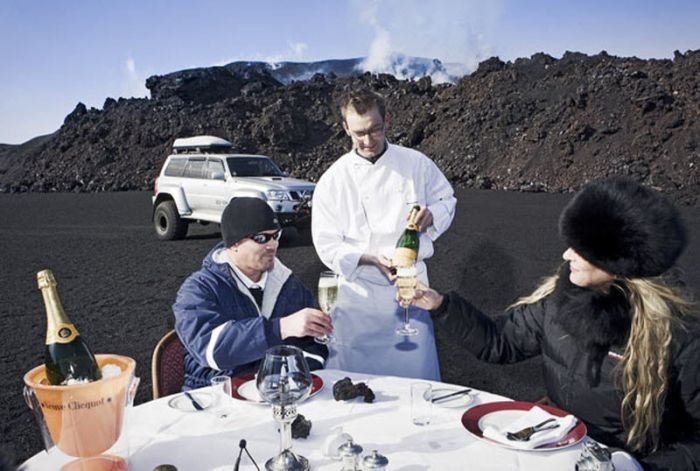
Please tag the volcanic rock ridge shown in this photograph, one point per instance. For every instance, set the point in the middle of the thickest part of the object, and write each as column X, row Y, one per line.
column 534, row 124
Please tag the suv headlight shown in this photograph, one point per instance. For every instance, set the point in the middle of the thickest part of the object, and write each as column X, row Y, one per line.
column 278, row 195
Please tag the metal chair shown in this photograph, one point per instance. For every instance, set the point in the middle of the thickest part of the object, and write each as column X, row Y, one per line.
column 167, row 366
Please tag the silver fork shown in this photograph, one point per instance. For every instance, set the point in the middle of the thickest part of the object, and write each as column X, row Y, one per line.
column 525, row 434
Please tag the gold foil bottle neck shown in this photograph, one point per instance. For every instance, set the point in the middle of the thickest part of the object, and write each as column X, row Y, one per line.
column 59, row 328
column 45, row 279
column 412, row 216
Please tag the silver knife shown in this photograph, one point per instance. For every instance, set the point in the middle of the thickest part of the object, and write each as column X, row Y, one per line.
column 447, row 396
column 194, row 402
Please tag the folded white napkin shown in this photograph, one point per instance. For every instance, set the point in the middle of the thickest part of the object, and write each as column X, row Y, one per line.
column 623, row 461
column 532, row 417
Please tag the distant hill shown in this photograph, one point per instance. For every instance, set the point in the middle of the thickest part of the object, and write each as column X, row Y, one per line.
column 534, row 124
column 12, row 157
column 398, row 65
column 211, row 84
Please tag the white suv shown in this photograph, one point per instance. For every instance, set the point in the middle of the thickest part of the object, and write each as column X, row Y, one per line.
column 203, row 174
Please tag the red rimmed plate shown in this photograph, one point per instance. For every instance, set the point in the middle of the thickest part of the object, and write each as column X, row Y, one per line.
column 500, row 414
column 243, row 388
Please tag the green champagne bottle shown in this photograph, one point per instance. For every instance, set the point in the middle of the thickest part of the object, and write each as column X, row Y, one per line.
column 67, row 356
column 408, row 244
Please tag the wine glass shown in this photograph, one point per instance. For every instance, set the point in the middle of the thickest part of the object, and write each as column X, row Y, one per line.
column 327, row 296
column 406, row 284
column 283, row 380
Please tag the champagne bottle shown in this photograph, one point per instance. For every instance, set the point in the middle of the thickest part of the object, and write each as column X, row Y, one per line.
column 67, row 356
column 407, row 246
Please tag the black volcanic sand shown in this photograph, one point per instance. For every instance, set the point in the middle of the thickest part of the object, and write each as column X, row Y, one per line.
column 117, row 281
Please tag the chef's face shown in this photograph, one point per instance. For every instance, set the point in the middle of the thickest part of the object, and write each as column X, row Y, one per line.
column 583, row 273
column 367, row 131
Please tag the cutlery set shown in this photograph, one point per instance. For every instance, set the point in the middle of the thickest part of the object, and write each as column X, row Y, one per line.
column 526, row 433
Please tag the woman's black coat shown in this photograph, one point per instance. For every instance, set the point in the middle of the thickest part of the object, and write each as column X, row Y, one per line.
column 573, row 360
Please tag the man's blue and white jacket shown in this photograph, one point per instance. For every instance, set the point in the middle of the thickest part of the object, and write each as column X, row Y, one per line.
column 222, row 328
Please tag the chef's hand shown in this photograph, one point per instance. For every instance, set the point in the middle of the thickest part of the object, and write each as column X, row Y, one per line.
column 424, row 219
column 381, row 262
column 425, row 298
column 307, row 321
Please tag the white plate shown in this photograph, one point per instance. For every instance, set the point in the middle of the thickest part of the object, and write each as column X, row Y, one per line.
column 249, row 391
column 502, row 413
column 183, row 403
column 454, row 402
column 500, row 420
column 245, row 389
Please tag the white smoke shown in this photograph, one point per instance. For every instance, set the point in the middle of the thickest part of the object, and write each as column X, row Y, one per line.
column 456, row 32
column 134, row 83
column 297, row 49
column 295, row 52
column 379, row 57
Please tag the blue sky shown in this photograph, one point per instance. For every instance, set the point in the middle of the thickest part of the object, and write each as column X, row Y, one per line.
column 56, row 54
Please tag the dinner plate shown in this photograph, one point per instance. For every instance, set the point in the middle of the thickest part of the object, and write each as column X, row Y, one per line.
column 454, row 402
column 243, row 388
column 183, row 403
column 500, row 414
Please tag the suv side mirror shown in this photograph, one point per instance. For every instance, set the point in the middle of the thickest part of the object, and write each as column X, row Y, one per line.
column 285, row 174
column 217, row 175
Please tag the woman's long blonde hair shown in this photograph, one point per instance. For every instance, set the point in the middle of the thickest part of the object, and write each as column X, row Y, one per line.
column 642, row 374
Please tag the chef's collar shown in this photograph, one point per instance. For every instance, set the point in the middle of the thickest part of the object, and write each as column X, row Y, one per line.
column 374, row 159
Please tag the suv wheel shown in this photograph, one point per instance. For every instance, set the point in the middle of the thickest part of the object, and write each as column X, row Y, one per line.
column 167, row 222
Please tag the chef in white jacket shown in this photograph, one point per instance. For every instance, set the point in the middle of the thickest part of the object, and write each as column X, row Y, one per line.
column 359, row 210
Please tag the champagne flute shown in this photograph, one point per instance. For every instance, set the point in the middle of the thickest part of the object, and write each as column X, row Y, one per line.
column 327, row 297
column 406, row 284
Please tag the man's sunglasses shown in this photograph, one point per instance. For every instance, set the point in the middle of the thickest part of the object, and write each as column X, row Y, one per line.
column 264, row 238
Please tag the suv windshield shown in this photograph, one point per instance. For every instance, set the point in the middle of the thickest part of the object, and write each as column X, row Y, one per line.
column 253, row 167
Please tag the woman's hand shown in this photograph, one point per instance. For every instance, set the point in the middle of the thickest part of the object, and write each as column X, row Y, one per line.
column 425, row 298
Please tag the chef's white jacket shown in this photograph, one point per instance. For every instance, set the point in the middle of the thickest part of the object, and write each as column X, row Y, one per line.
column 360, row 207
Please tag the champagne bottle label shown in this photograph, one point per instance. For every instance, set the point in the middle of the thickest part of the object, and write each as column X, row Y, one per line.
column 406, row 251
column 404, row 257
column 62, row 333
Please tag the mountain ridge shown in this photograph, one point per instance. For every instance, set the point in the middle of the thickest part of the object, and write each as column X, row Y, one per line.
column 533, row 124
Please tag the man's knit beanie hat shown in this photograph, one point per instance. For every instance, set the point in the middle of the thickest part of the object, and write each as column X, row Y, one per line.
column 244, row 217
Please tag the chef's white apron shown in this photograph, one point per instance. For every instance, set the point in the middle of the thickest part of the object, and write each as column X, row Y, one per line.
column 365, row 320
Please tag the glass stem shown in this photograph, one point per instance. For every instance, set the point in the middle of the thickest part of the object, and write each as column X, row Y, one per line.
column 405, row 317
column 286, row 435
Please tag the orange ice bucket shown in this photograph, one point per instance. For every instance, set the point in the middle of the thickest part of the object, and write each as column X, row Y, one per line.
column 85, row 419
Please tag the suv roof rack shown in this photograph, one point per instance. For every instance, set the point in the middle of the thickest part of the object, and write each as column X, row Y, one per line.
column 202, row 144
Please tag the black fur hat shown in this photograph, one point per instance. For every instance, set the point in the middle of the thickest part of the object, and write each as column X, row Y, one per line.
column 623, row 228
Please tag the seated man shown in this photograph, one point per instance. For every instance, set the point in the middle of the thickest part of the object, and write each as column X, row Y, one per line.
column 244, row 300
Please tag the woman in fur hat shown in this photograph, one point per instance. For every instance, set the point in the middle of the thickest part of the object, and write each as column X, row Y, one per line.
column 620, row 349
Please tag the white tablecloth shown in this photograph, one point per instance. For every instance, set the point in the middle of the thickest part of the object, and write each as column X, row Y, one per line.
column 194, row 441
